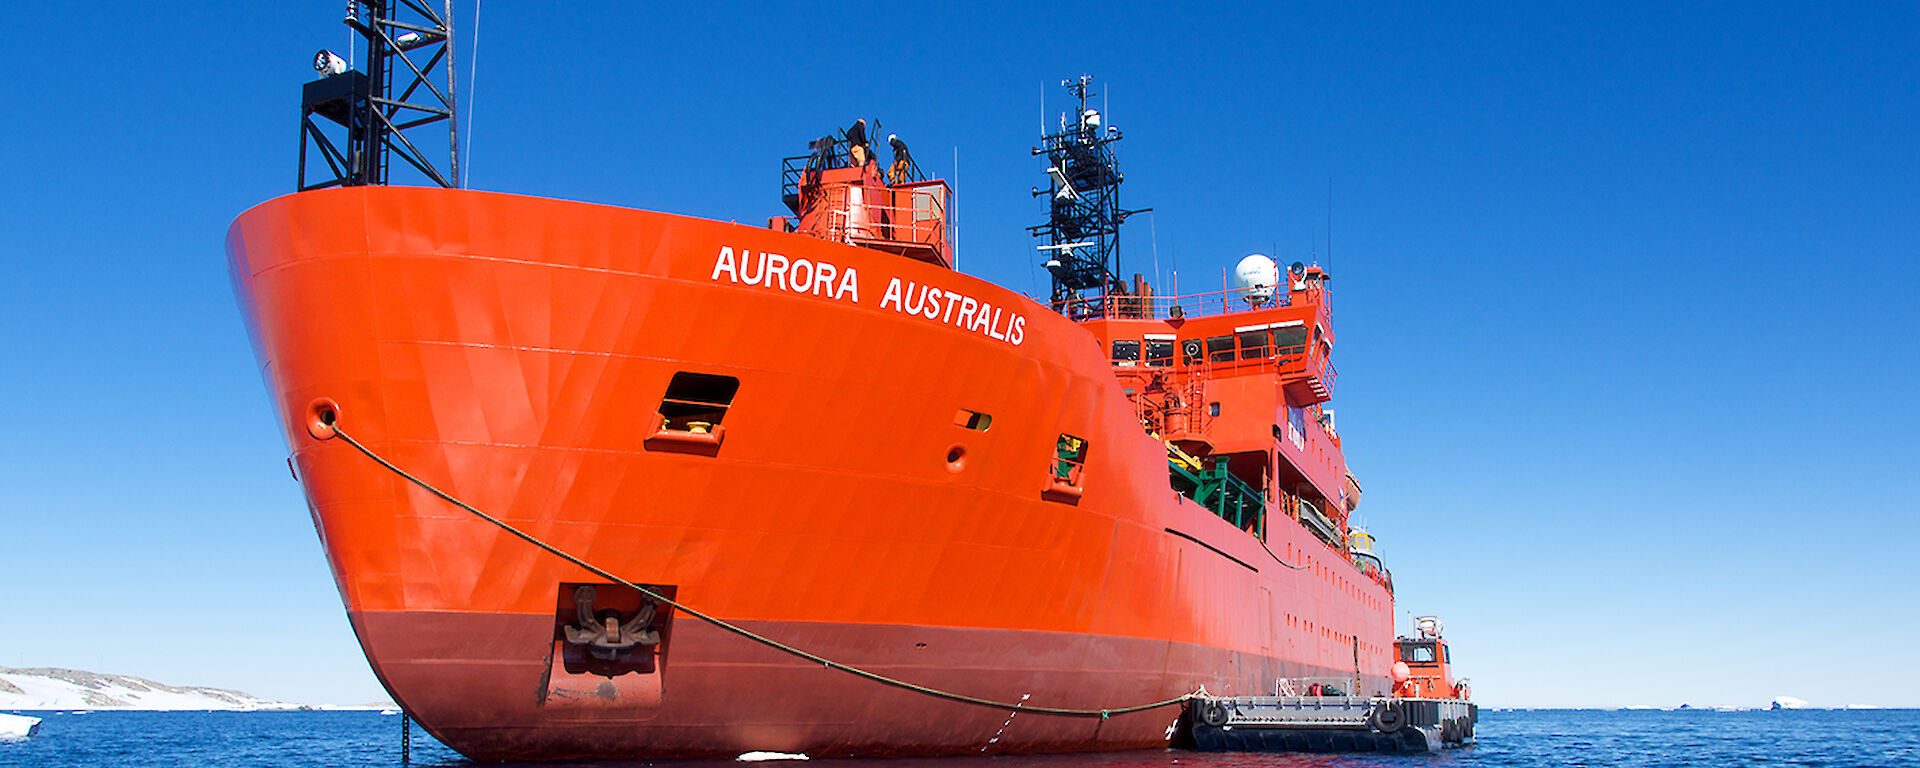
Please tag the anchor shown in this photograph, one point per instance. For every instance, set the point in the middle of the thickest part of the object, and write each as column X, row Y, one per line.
column 604, row 634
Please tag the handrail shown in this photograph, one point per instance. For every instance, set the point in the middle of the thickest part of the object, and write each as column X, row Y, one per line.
column 793, row 170
column 1225, row 302
column 1292, row 364
column 875, row 220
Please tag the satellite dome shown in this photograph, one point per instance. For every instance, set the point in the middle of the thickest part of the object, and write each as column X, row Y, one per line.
column 1256, row 275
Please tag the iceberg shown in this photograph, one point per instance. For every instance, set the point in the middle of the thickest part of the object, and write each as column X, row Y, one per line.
column 18, row 726
column 1789, row 702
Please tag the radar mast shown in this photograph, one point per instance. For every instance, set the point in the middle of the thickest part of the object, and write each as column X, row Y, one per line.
column 1082, row 252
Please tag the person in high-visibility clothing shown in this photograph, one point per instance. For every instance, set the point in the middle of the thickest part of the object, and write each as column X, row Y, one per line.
column 902, row 170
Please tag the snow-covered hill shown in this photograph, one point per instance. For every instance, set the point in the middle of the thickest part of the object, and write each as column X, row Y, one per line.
column 46, row 688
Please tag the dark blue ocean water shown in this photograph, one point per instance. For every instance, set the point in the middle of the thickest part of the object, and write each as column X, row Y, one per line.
column 1532, row 738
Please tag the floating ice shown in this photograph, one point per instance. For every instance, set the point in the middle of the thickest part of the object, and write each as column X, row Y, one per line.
column 18, row 726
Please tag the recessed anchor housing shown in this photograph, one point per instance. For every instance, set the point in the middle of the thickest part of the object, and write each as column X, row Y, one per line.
column 605, row 634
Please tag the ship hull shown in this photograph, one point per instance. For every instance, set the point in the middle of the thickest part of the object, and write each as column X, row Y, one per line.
column 515, row 351
column 734, row 695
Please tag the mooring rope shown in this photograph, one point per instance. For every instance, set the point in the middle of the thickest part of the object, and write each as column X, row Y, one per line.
column 743, row 631
column 1276, row 557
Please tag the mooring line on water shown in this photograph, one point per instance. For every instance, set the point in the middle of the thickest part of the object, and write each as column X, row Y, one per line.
column 332, row 426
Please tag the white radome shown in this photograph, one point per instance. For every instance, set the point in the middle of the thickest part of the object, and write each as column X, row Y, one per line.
column 1256, row 275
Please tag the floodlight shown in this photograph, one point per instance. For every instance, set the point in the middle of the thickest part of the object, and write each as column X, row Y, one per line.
column 328, row 64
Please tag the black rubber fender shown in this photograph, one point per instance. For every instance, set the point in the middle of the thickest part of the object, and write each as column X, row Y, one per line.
column 1213, row 713
column 1387, row 717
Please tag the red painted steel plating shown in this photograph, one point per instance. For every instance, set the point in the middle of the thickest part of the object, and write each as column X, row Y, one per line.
column 515, row 351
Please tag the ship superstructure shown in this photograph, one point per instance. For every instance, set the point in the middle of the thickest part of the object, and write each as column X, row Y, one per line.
column 1425, row 667
column 1233, row 382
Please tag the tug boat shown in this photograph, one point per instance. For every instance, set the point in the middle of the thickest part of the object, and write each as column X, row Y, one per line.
column 1025, row 520
column 1427, row 710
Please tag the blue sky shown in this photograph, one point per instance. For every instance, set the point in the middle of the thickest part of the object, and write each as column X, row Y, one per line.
column 1623, row 293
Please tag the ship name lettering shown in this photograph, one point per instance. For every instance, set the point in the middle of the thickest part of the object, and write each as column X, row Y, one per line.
column 965, row 312
column 773, row 270
column 819, row 278
column 933, row 303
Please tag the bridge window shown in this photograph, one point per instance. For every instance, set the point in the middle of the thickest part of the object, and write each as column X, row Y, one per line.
column 1290, row 342
column 1253, row 345
column 1159, row 353
column 1126, row 352
column 1220, row 349
column 1192, row 351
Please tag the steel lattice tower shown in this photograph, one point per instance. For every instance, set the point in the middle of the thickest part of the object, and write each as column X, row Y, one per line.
column 407, row 41
column 1084, row 213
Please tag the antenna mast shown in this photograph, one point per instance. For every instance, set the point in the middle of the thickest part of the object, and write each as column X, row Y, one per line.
column 1084, row 214
column 1327, row 274
column 407, row 39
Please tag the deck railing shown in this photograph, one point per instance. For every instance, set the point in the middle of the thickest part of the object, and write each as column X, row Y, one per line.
column 1173, row 307
column 908, row 215
column 793, row 170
